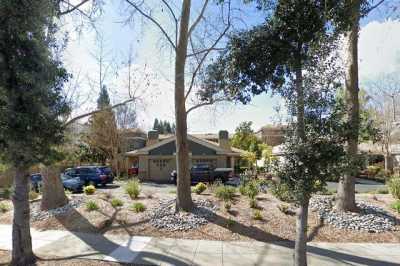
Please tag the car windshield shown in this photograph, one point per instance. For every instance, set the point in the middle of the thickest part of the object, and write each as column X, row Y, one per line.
column 106, row 170
column 200, row 167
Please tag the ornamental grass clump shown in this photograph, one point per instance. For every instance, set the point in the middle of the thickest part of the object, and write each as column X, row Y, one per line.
column 132, row 188
column 394, row 186
column 91, row 206
column 257, row 215
column 225, row 193
column 138, row 207
column 116, row 203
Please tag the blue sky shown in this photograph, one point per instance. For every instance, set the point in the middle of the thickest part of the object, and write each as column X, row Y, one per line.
column 379, row 53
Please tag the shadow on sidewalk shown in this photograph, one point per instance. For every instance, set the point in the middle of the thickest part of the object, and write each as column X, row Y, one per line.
column 262, row 236
column 103, row 245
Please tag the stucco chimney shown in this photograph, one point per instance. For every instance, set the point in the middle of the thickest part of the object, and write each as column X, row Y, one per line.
column 223, row 139
column 152, row 137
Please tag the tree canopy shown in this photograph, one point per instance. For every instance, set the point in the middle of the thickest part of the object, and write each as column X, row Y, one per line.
column 164, row 127
column 31, row 82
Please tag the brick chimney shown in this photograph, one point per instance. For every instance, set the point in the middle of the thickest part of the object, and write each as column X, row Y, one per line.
column 223, row 140
column 152, row 137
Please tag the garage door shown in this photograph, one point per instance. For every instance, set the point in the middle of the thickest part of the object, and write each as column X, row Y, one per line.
column 160, row 169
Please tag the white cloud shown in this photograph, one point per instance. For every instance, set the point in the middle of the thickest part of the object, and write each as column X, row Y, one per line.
column 379, row 48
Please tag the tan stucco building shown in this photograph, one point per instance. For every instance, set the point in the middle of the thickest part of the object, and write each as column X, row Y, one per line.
column 157, row 159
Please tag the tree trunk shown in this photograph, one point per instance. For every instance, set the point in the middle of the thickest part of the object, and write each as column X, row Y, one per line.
column 345, row 199
column 22, row 253
column 300, row 249
column 184, row 197
column 53, row 195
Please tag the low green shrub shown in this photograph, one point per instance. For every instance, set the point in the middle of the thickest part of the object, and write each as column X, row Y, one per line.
column 200, row 188
column 230, row 222
column 6, row 193
column 89, row 190
column 4, row 207
column 132, row 188
column 33, row 195
column 285, row 209
column 257, row 215
column 91, row 206
column 382, row 191
column 227, row 206
column 117, row 203
column 138, row 207
column 252, row 189
column 281, row 192
column 394, row 186
column 396, row 206
column 225, row 193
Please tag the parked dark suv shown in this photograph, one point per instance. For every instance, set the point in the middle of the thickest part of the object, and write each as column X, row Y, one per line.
column 205, row 173
column 92, row 175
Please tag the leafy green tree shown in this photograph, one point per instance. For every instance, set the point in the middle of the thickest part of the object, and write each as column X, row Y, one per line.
column 156, row 124
column 31, row 103
column 103, row 137
column 273, row 56
column 245, row 138
column 104, row 99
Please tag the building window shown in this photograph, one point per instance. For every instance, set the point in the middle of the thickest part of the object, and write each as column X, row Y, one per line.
column 162, row 163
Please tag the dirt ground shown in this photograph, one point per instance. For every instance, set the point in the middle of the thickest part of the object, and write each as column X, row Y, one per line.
column 237, row 224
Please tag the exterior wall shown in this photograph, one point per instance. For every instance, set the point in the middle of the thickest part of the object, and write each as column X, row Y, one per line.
column 148, row 165
column 272, row 135
column 143, row 167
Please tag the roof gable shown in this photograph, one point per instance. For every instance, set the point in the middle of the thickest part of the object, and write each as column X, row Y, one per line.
column 197, row 143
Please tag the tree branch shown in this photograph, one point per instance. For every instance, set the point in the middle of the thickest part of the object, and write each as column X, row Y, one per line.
column 155, row 22
column 79, row 117
column 206, row 52
column 174, row 17
column 211, row 102
column 72, row 7
column 375, row 6
column 198, row 19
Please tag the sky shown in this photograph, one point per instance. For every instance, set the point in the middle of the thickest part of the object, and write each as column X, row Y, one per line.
column 379, row 53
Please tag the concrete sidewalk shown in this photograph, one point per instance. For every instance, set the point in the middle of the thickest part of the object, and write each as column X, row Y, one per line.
column 140, row 250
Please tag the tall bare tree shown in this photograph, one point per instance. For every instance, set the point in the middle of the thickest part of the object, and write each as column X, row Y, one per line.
column 354, row 10
column 183, row 35
column 385, row 93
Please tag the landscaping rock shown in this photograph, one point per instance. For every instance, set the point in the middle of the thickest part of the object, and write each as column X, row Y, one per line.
column 165, row 217
column 371, row 218
column 39, row 215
